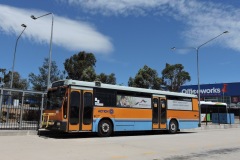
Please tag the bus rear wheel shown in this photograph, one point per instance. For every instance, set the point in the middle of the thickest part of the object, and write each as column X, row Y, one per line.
column 105, row 128
column 173, row 127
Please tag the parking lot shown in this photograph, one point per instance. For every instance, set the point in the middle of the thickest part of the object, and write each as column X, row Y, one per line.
column 191, row 144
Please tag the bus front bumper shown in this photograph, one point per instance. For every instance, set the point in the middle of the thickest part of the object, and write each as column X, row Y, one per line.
column 55, row 125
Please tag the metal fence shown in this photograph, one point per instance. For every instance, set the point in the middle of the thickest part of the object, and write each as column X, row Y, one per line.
column 20, row 109
column 236, row 112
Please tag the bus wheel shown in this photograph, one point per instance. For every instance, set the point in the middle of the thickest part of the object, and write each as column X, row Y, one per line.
column 105, row 128
column 173, row 127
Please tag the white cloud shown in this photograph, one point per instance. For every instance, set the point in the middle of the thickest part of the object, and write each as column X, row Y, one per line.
column 70, row 34
column 118, row 7
column 204, row 19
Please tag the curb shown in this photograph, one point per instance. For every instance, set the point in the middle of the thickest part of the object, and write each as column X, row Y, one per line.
column 221, row 126
column 213, row 127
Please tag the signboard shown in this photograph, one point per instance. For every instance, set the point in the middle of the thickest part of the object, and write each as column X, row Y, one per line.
column 218, row 89
column 179, row 105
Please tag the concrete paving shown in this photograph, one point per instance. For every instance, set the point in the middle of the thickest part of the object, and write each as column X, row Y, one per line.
column 17, row 132
column 212, row 144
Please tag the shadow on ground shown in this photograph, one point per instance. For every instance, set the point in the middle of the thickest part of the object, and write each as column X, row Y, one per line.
column 62, row 135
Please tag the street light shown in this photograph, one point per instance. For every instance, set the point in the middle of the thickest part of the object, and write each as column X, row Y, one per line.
column 197, row 51
column 14, row 55
column 50, row 49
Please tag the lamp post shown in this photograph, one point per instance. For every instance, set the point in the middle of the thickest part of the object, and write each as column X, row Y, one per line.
column 50, row 49
column 14, row 55
column 198, row 77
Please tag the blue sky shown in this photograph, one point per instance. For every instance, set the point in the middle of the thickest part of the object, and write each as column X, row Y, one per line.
column 125, row 35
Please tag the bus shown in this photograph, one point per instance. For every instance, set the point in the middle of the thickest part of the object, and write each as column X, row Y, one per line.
column 210, row 108
column 79, row 106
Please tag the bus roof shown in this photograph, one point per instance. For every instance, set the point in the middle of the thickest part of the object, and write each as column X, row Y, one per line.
column 98, row 84
column 212, row 103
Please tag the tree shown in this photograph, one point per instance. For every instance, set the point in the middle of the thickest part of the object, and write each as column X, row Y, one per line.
column 89, row 74
column 2, row 71
column 77, row 65
column 174, row 76
column 39, row 82
column 18, row 82
column 146, row 78
column 81, row 67
column 109, row 79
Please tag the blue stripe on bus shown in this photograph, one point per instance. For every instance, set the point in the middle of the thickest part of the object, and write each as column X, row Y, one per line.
column 127, row 124
column 186, row 123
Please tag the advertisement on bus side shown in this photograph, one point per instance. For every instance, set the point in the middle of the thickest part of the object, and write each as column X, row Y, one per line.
column 136, row 102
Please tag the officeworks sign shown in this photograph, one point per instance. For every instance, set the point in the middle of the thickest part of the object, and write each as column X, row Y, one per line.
column 206, row 91
column 218, row 89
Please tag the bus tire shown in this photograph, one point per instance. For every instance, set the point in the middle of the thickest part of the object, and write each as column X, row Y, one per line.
column 105, row 128
column 173, row 127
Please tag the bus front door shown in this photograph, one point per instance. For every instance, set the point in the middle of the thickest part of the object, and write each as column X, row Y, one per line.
column 80, row 110
column 159, row 119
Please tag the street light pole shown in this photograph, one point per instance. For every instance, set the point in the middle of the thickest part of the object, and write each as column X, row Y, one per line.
column 198, row 77
column 14, row 55
column 50, row 49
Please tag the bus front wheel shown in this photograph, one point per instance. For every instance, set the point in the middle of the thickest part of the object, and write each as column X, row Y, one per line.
column 173, row 127
column 105, row 128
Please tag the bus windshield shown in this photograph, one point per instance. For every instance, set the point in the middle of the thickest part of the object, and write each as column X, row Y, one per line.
column 55, row 99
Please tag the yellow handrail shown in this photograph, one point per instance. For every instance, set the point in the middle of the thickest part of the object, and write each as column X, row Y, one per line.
column 46, row 115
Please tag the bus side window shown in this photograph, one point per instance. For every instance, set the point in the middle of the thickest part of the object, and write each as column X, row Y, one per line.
column 74, row 107
column 163, row 103
column 155, row 110
column 88, row 108
column 163, row 111
column 65, row 103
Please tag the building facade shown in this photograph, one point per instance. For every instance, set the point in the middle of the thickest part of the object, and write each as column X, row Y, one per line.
column 219, row 92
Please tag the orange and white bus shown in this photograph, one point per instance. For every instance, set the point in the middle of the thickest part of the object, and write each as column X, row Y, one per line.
column 78, row 106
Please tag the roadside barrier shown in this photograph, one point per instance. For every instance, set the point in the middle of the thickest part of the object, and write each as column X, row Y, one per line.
column 20, row 109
